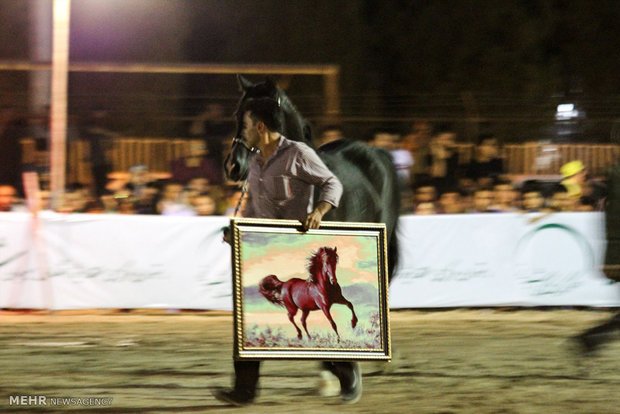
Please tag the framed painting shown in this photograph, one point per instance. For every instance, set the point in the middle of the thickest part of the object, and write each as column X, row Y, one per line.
column 320, row 294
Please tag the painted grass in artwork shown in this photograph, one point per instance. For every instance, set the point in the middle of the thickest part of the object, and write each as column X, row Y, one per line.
column 366, row 335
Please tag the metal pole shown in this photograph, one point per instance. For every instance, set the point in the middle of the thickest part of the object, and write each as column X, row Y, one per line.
column 58, row 123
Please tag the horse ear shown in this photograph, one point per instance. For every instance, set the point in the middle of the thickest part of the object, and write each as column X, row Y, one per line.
column 244, row 83
column 336, row 249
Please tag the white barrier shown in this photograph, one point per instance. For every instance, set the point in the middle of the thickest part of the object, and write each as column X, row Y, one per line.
column 502, row 260
column 130, row 261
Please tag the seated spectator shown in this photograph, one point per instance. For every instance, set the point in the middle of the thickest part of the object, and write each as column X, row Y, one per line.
column 574, row 176
column 424, row 194
column 533, row 201
column 205, row 204
column 330, row 133
column 108, row 201
column 232, row 198
column 425, row 208
column 505, row 199
column 197, row 164
column 75, row 199
column 487, row 162
column 483, row 199
column 561, row 201
column 450, row 202
column 173, row 202
column 8, row 198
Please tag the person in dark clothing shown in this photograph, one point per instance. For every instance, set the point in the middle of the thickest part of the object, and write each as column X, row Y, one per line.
column 12, row 129
column 594, row 338
column 486, row 162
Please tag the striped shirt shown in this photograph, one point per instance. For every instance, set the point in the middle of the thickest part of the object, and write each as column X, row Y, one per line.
column 283, row 186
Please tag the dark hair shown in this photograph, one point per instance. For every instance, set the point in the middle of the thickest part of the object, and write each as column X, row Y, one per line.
column 266, row 110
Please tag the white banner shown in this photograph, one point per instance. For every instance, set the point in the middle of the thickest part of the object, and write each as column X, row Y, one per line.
column 114, row 261
column 502, row 260
column 76, row 261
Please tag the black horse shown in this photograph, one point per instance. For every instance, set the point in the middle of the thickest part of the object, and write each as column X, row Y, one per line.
column 371, row 192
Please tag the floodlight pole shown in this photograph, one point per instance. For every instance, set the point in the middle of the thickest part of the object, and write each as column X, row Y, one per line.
column 58, row 109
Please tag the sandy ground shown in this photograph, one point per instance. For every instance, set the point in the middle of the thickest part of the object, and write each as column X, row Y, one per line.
column 453, row 361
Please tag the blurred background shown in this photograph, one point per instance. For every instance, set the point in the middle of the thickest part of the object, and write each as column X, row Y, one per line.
column 151, row 75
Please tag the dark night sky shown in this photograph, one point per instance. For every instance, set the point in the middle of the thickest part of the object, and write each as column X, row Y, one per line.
column 403, row 54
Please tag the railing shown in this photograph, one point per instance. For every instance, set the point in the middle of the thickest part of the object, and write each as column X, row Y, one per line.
column 157, row 153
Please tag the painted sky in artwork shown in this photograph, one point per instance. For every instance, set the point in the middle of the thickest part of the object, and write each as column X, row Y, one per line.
column 286, row 256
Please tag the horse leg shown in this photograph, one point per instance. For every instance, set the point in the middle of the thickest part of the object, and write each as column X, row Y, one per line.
column 304, row 316
column 325, row 310
column 343, row 301
column 291, row 317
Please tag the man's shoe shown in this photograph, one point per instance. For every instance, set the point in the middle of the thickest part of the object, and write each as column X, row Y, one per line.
column 352, row 394
column 329, row 386
column 233, row 397
column 584, row 346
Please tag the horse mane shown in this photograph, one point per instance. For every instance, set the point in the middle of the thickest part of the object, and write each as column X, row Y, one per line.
column 315, row 263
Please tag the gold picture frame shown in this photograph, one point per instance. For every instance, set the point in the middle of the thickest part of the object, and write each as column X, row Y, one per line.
column 318, row 294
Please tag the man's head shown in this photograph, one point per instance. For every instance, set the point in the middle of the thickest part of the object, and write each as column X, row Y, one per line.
column 574, row 170
column 483, row 200
column 261, row 116
column 329, row 134
column 7, row 197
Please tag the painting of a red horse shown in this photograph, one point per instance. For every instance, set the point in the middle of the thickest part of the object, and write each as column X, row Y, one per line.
column 319, row 291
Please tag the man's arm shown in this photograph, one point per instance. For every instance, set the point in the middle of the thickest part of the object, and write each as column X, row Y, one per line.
column 313, row 220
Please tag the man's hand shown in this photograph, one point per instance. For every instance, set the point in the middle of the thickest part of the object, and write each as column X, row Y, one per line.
column 226, row 235
column 313, row 220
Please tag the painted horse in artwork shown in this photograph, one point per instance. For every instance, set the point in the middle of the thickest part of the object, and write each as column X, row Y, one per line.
column 319, row 291
column 371, row 193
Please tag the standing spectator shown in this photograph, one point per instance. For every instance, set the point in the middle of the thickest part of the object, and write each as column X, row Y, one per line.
column 418, row 143
column 487, row 162
column 196, row 164
column 100, row 140
column 12, row 129
column 402, row 159
column 444, row 159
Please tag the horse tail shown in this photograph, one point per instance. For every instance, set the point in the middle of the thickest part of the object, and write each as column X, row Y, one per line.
column 271, row 288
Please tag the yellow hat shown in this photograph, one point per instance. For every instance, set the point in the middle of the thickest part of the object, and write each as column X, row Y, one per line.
column 571, row 168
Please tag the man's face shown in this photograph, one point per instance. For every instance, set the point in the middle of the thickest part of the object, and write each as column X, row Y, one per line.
column 250, row 130
column 7, row 196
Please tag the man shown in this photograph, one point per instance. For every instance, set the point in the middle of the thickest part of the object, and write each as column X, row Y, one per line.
column 282, row 177
column 7, row 197
column 592, row 339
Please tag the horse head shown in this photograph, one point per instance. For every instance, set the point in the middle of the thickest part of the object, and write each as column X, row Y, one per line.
column 329, row 259
column 295, row 127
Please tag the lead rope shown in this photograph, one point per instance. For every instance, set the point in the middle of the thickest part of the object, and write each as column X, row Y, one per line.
column 244, row 190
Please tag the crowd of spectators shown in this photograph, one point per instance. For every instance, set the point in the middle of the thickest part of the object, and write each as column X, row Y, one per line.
column 432, row 181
